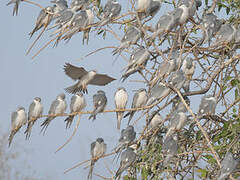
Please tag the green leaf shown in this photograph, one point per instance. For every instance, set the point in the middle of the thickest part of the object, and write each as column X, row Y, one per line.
column 206, row 2
column 227, row 10
column 203, row 172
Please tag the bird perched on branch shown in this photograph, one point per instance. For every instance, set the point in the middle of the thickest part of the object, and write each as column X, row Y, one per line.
column 84, row 78
column 99, row 103
column 121, row 98
column 78, row 103
column 208, row 105
column 19, row 118
column 35, row 110
column 98, row 149
column 58, row 106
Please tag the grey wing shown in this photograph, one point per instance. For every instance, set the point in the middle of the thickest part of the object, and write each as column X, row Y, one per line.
column 65, row 17
column 53, row 107
column 135, row 98
column 31, row 108
column 14, row 117
column 92, row 148
column 73, row 100
column 107, row 8
column 116, row 10
column 74, row 72
column 101, row 80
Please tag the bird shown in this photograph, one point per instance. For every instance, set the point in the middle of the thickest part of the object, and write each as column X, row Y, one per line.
column 228, row 166
column 80, row 22
column 58, row 106
column 35, row 110
column 127, row 137
column 166, row 23
column 128, row 157
column 84, row 78
column 139, row 100
column 131, row 36
column 43, row 19
column 19, row 118
column 148, row 8
column 99, row 103
column 170, row 148
column 110, row 11
column 225, row 34
column 210, row 25
column 178, row 106
column 81, row 4
column 138, row 60
column 207, row 105
column 188, row 67
column 78, row 103
column 98, row 149
column 154, row 120
column 60, row 5
column 177, row 79
column 157, row 91
column 121, row 99
column 177, row 122
column 16, row 6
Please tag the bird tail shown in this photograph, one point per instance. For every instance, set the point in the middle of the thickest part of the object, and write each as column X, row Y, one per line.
column 45, row 124
column 75, row 88
column 11, row 137
column 28, row 130
column 130, row 114
column 93, row 115
column 119, row 118
column 69, row 121
column 117, row 50
column 91, row 170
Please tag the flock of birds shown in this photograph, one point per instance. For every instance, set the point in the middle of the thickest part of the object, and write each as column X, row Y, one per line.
column 175, row 72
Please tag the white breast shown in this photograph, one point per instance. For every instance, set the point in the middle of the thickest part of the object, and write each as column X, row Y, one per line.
column 121, row 99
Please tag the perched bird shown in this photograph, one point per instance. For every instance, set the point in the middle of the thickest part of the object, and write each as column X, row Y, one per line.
column 208, row 105
column 178, row 106
column 131, row 36
column 154, row 120
column 228, row 166
column 81, row 4
column 35, row 110
column 19, row 118
column 98, row 149
column 164, row 69
column 177, row 122
column 210, row 25
column 137, row 61
column 142, row 5
column 225, row 34
column 58, row 106
column 111, row 10
column 170, row 148
column 43, row 19
column 60, row 5
column 84, row 78
column 139, row 100
column 128, row 157
column 80, row 22
column 16, row 6
column 148, row 8
column 158, row 91
column 177, row 79
column 128, row 135
column 99, row 103
column 188, row 67
column 165, row 24
column 121, row 99
column 78, row 103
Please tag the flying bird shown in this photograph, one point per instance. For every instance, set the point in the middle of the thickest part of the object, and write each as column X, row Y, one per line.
column 58, row 106
column 111, row 10
column 138, row 60
column 121, row 99
column 131, row 36
column 19, row 118
column 78, row 103
column 99, row 103
column 84, row 78
column 208, row 105
column 98, row 149
column 128, row 157
column 139, row 100
column 16, row 6
column 35, row 110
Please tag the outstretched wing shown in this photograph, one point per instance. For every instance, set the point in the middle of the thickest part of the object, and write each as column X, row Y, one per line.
column 74, row 72
column 101, row 80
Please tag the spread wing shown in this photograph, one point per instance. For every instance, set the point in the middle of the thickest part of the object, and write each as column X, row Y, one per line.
column 101, row 80
column 74, row 72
